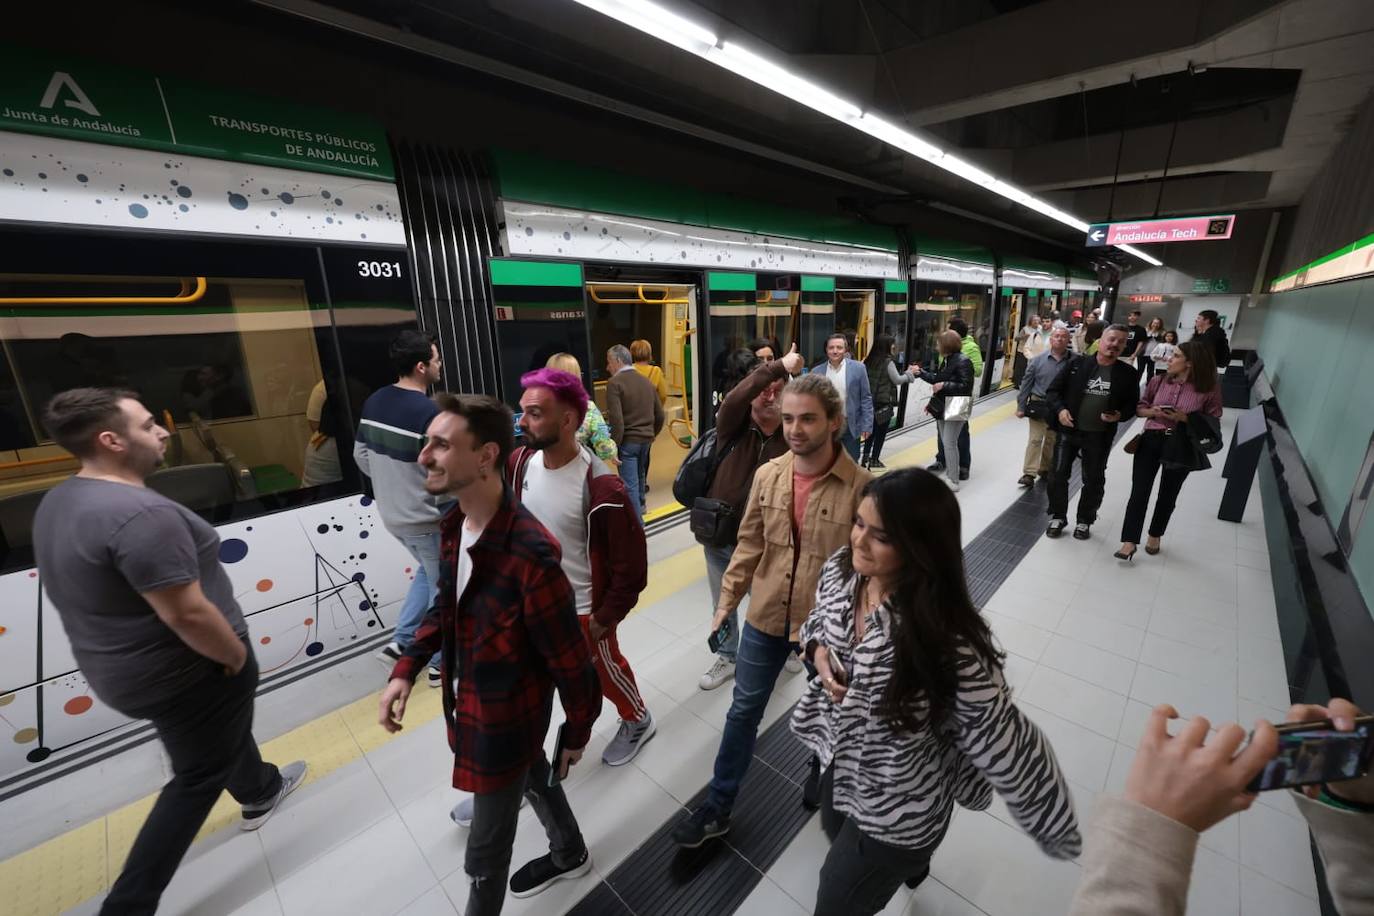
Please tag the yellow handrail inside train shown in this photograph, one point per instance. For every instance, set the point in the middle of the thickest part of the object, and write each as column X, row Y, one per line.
column 189, row 293
column 638, row 299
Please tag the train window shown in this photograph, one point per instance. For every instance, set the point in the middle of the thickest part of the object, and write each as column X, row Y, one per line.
column 232, row 367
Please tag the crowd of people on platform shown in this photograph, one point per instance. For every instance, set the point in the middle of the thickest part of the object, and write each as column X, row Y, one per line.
column 529, row 556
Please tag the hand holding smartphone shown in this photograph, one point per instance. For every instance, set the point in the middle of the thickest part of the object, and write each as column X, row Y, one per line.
column 719, row 637
column 1316, row 752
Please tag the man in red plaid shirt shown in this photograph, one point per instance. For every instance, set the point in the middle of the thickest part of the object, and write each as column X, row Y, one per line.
column 506, row 621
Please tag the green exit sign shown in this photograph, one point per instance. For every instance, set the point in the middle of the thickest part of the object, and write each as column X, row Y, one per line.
column 1205, row 285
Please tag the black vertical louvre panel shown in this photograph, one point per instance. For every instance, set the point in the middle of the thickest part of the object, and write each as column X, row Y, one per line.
column 452, row 224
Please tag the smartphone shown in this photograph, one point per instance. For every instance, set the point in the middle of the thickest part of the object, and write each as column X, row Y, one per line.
column 558, row 772
column 1314, row 752
column 719, row 637
column 837, row 669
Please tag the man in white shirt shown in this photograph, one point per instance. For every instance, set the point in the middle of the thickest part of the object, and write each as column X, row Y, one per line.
column 585, row 505
column 850, row 379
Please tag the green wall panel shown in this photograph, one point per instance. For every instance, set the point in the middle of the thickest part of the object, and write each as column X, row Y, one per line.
column 534, row 273
column 726, row 280
column 1318, row 350
column 818, row 284
column 521, row 176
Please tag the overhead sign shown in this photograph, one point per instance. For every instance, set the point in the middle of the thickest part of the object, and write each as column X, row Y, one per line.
column 1144, row 232
column 1206, row 285
column 63, row 96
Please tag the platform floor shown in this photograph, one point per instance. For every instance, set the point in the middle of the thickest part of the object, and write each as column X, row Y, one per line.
column 1093, row 644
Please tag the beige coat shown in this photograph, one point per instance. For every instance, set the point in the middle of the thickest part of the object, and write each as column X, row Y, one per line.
column 1138, row 861
column 761, row 567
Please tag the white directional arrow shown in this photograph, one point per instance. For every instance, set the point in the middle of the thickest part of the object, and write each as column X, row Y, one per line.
column 1097, row 236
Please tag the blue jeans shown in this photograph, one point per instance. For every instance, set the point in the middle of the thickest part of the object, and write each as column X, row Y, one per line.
column 964, row 458
column 851, row 445
column 760, row 659
column 423, row 590
column 717, row 560
column 634, row 470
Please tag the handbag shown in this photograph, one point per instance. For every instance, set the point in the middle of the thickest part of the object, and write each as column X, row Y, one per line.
column 713, row 522
column 958, row 407
column 1036, row 408
column 883, row 418
column 1133, row 445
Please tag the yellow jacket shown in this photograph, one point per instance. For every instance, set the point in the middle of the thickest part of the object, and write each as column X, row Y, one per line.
column 655, row 376
column 761, row 567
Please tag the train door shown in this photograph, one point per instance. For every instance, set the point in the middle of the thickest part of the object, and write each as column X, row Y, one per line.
column 855, row 315
column 817, row 317
column 655, row 319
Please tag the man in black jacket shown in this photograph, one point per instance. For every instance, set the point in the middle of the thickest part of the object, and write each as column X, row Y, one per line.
column 1207, row 326
column 1087, row 399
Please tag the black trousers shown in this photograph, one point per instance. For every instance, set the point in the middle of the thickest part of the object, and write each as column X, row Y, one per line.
column 1092, row 449
column 873, row 445
column 208, row 734
column 492, row 835
column 1147, row 464
column 860, row 874
column 1018, row 369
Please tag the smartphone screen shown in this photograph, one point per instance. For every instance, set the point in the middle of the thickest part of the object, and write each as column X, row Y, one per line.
column 718, row 638
column 1314, row 752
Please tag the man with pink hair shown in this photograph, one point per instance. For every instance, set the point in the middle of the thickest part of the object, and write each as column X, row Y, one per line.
column 605, row 557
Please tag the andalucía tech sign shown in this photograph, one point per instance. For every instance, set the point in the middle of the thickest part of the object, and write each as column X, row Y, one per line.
column 1185, row 229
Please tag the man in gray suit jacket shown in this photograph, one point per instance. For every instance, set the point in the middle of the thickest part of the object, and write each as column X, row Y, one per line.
column 850, row 379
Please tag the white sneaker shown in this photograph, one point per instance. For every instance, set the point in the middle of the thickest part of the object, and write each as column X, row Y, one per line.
column 953, row 484
column 721, row 670
column 436, row 677
column 793, row 663
column 389, row 654
column 629, row 740
column 292, row 775
column 462, row 812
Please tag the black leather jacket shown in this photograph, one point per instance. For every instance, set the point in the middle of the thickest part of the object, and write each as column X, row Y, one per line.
column 957, row 374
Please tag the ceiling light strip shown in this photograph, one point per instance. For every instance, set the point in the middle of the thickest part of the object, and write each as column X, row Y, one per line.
column 666, row 25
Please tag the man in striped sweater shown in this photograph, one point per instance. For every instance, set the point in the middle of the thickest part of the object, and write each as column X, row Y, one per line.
column 386, row 449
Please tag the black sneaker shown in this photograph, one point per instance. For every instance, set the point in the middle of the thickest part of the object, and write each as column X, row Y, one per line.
column 875, row 463
column 536, row 875
column 963, row 473
column 1056, row 528
column 935, row 468
column 1026, row 481
column 811, row 789
column 1080, row 531
column 701, row 825
column 389, row 654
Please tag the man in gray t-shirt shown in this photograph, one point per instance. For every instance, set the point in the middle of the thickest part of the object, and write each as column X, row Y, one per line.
column 154, row 627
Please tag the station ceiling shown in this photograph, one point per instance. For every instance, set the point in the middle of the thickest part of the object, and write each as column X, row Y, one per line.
column 1107, row 109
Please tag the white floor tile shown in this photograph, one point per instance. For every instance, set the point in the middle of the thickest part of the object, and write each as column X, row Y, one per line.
column 674, row 670
column 265, row 904
column 433, row 903
column 1255, row 559
column 767, row 899
column 1024, row 880
column 1197, row 633
column 1021, row 602
column 1263, row 675
column 224, row 872
column 1131, row 604
column 934, row 899
column 322, row 815
column 1278, row 846
column 1224, row 838
column 639, row 637
column 1123, row 756
column 1133, row 721
column 1089, row 663
column 1017, row 670
column 1089, row 705
column 617, row 808
column 1117, row 638
column 681, row 756
column 413, row 762
column 1199, row 608
column 1215, row 581
column 361, row 876
column 441, row 841
column 1261, row 896
column 1189, row 696
column 1215, row 885
column 1084, row 755
column 1025, row 639
column 1189, row 661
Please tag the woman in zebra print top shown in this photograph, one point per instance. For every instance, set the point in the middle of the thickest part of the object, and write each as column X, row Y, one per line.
column 910, row 711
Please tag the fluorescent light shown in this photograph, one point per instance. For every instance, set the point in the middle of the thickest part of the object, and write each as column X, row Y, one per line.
column 666, row 25
column 1131, row 249
column 760, row 70
column 657, row 21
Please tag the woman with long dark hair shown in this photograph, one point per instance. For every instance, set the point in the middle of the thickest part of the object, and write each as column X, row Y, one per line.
column 1189, row 385
column 883, row 381
column 910, row 711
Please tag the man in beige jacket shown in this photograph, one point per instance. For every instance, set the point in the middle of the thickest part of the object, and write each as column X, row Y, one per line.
column 1140, row 850
column 800, row 509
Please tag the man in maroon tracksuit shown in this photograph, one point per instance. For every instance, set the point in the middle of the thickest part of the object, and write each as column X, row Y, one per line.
column 585, row 505
column 506, row 621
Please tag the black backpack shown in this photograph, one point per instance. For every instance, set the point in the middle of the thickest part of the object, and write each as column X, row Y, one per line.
column 698, row 469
